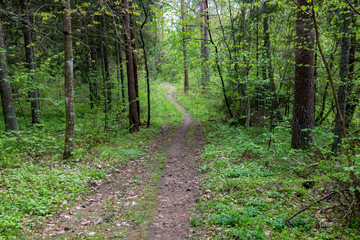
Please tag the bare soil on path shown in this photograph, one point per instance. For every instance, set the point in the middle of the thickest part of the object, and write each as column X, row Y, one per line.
column 148, row 198
column 179, row 187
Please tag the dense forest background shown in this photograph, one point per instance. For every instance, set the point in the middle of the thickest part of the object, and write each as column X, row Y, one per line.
column 274, row 83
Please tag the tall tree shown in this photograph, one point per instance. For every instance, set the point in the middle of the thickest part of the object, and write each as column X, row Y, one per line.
column 245, row 68
column 353, row 91
column 133, row 106
column 204, row 15
column 105, row 71
column 29, row 54
column 343, row 77
column 89, row 67
column 303, row 112
column 269, row 67
column 183, row 30
column 8, row 107
column 146, row 64
column 133, row 45
column 120, row 69
column 69, row 77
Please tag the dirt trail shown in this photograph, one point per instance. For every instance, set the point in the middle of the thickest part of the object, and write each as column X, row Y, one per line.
column 179, row 187
column 122, row 206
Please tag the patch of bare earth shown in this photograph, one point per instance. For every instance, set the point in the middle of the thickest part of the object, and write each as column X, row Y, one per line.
column 148, row 198
column 179, row 187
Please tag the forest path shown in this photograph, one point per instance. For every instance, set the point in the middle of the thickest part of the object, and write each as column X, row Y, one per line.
column 179, row 187
column 146, row 198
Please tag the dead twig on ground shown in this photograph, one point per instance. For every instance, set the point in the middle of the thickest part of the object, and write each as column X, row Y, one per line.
column 308, row 206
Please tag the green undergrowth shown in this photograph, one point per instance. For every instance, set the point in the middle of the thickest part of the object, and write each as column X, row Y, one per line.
column 253, row 181
column 36, row 183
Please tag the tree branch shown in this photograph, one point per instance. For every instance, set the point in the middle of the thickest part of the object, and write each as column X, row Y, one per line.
column 352, row 7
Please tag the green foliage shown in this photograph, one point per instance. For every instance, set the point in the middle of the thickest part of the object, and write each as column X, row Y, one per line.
column 31, row 193
column 254, row 188
column 35, row 182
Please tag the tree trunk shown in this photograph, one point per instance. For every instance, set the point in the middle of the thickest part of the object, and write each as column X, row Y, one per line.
column 29, row 54
column 120, row 70
column 133, row 44
column 258, row 92
column 69, row 78
column 8, row 107
column 353, row 95
column 303, row 112
column 87, row 72
column 146, row 65
column 183, row 29
column 93, row 85
column 268, row 67
column 204, row 43
column 343, row 76
column 220, row 75
column 133, row 107
column 105, row 73
column 246, row 68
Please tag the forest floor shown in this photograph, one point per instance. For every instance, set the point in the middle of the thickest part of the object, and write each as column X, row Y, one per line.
column 148, row 198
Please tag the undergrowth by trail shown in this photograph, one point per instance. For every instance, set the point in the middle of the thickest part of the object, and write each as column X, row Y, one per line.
column 253, row 181
column 35, row 183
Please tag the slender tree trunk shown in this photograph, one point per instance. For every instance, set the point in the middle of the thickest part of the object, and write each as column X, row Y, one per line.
column 29, row 53
column 69, row 78
column 245, row 70
column 133, row 107
column 259, row 89
column 146, row 65
column 270, row 71
column 133, row 44
column 343, row 76
column 234, row 61
column 204, row 43
column 87, row 73
column 8, row 107
column 105, row 72
column 303, row 112
column 353, row 92
column 183, row 29
column 220, row 75
column 120, row 70
column 319, row 118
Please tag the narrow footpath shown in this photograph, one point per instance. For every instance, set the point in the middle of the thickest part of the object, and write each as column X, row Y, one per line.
column 147, row 198
column 179, row 187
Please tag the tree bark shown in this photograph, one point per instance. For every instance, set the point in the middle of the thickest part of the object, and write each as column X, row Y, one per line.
column 269, row 68
column 69, row 85
column 183, row 29
column 246, row 68
column 120, row 70
column 204, row 43
column 220, row 75
column 133, row 107
column 133, row 44
column 303, row 112
column 29, row 55
column 353, row 92
column 87, row 73
column 146, row 65
column 343, row 76
column 8, row 107
column 105, row 72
